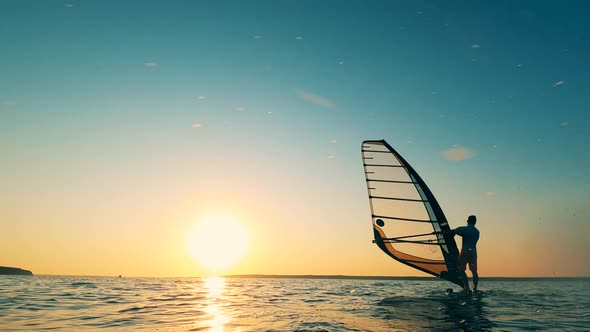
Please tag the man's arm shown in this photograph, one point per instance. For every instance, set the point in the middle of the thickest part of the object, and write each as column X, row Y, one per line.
column 457, row 231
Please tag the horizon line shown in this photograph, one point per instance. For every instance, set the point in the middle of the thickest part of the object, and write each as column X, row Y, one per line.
column 317, row 276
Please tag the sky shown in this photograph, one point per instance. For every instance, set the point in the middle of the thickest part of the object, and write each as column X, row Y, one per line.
column 124, row 124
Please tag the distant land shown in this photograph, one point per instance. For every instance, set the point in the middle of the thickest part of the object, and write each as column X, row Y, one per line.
column 15, row 271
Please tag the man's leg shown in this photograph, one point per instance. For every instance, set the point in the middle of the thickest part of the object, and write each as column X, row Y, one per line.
column 473, row 269
column 461, row 268
column 465, row 280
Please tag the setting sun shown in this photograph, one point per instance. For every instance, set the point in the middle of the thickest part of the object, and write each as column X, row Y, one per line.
column 218, row 242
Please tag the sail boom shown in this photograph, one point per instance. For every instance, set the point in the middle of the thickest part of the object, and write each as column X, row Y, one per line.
column 424, row 242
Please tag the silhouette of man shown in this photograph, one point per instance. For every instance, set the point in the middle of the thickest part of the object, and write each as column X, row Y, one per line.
column 468, row 255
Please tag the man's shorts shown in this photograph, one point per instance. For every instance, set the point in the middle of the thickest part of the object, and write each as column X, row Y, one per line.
column 468, row 256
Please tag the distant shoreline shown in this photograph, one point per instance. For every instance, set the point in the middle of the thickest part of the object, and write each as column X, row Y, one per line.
column 14, row 271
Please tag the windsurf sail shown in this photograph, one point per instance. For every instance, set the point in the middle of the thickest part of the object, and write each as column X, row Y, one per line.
column 408, row 223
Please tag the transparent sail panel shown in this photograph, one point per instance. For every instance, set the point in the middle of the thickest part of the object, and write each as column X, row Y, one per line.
column 405, row 190
column 401, row 209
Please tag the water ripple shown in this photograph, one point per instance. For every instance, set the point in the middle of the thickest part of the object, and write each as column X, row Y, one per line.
column 192, row 304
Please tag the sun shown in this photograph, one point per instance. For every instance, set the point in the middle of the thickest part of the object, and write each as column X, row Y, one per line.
column 218, row 242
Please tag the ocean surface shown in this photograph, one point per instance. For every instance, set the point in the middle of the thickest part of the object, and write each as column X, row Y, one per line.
column 42, row 303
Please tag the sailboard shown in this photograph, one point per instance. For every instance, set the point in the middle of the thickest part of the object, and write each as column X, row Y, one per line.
column 408, row 223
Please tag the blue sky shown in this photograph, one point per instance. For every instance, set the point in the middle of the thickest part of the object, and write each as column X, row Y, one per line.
column 101, row 99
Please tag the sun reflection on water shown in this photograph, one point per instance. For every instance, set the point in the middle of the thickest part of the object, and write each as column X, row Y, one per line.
column 217, row 318
column 215, row 287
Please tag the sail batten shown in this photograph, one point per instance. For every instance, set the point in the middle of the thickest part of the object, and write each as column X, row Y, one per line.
column 375, row 165
column 390, row 181
column 397, row 198
column 404, row 219
column 408, row 223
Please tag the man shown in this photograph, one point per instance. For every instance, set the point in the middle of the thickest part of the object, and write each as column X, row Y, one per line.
column 468, row 255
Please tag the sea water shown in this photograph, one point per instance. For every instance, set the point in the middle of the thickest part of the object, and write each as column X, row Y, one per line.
column 42, row 303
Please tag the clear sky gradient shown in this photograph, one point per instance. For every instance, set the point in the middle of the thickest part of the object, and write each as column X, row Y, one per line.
column 124, row 123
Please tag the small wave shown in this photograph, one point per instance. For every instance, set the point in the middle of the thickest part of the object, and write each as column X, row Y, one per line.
column 314, row 300
column 83, row 284
column 320, row 326
column 116, row 323
column 36, row 306
column 138, row 309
